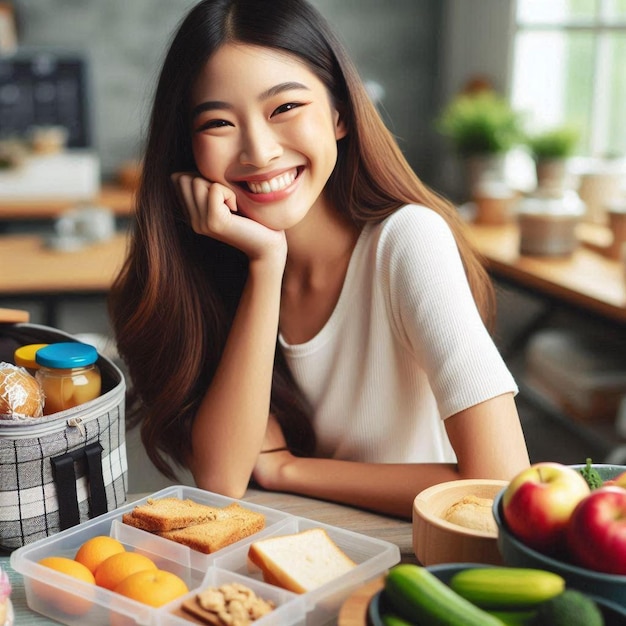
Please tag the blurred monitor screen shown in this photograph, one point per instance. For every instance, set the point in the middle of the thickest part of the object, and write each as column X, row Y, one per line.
column 44, row 89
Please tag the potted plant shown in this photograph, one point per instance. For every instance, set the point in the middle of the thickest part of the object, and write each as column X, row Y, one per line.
column 551, row 150
column 482, row 127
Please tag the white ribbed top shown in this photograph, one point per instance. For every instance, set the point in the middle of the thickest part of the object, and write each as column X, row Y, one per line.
column 404, row 348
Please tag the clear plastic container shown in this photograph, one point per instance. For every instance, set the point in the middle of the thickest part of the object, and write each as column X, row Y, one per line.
column 68, row 375
column 372, row 556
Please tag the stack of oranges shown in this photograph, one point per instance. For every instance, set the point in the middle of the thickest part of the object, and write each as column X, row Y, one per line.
column 105, row 562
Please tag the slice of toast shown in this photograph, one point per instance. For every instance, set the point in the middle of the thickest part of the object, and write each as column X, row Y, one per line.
column 300, row 562
column 164, row 514
column 232, row 524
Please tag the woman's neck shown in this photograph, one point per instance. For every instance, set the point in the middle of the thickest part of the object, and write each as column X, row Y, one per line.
column 316, row 245
column 317, row 262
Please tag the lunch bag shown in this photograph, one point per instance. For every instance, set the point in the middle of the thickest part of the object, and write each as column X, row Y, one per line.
column 65, row 468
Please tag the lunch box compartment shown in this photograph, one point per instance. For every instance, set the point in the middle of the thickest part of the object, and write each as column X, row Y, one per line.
column 230, row 564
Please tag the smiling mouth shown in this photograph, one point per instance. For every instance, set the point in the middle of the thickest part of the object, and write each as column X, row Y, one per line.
column 278, row 183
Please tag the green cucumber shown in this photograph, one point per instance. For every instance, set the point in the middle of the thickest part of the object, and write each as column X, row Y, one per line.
column 513, row 588
column 417, row 595
column 390, row 619
column 515, row 618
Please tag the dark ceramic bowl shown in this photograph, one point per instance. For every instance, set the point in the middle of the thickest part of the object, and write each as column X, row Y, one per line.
column 613, row 613
column 515, row 554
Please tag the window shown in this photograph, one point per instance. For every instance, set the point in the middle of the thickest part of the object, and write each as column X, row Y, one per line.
column 569, row 66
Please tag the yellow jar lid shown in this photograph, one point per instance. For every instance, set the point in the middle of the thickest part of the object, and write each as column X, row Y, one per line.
column 25, row 355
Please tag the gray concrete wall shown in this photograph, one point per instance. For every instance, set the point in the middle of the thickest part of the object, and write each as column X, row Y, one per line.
column 394, row 43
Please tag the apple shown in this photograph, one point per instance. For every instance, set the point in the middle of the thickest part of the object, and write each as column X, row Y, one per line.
column 539, row 501
column 619, row 480
column 596, row 533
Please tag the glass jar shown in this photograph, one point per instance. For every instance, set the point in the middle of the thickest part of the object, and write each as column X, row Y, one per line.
column 547, row 223
column 68, row 375
column 24, row 356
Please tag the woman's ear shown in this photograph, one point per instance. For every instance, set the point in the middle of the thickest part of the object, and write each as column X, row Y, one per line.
column 341, row 128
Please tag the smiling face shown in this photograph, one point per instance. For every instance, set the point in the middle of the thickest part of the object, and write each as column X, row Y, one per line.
column 263, row 125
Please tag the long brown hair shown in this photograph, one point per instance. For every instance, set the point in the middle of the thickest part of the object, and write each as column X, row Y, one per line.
column 173, row 302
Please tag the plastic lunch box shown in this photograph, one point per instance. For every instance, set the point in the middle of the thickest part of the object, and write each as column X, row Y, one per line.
column 85, row 604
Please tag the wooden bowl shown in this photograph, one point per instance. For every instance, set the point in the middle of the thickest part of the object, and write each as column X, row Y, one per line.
column 435, row 540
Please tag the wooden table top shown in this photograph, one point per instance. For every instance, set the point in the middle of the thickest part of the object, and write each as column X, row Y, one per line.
column 30, row 267
column 588, row 279
column 397, row 531
column 114, row 197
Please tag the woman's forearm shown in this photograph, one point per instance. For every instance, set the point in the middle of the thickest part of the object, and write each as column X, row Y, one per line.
column 230, row 424
column 388, row 488
column 487, row 439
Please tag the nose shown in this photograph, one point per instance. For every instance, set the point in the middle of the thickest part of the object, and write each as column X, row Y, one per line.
column 259, row 146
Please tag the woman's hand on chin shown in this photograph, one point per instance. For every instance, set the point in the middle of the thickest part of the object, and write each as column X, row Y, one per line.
column 212, row 210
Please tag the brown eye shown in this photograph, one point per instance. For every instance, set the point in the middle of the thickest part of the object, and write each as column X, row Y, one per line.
column 283, row 108
column 212, row 124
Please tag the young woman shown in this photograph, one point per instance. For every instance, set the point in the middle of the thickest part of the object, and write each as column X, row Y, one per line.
column 297, row 307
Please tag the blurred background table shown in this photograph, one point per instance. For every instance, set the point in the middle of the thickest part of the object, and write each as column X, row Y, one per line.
column 587, row 280
column 586, row 288
column 114, row 197
column 32, row 269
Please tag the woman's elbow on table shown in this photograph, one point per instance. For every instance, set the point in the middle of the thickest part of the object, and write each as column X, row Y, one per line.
column 229, row 484
column 229, row 488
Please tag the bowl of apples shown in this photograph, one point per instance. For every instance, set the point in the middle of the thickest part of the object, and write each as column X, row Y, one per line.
column 568, row 519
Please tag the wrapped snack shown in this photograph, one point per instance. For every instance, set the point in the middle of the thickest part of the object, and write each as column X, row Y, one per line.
column 21, row 394
column 6, row 609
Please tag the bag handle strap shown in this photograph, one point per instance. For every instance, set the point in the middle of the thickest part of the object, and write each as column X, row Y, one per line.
column 97, row 492
column 65, row 479
column 64, row 474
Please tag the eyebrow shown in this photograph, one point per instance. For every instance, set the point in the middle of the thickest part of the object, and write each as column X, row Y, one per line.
column 213, row 105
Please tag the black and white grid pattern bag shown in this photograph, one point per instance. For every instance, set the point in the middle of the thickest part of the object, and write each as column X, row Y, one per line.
column 63, row 468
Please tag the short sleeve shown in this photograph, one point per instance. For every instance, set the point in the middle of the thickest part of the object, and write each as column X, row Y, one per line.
column 434, row 313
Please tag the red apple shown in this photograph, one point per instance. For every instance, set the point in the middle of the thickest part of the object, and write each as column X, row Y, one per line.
column 596, row 533
column 619, row 480
column 538, row 503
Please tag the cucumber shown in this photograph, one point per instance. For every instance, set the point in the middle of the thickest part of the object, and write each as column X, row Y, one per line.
column 516, row 618
column 417, row 595
column 389, row 619
column 513, row 588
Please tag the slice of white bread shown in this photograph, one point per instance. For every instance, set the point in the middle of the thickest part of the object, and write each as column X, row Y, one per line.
column 300, row 562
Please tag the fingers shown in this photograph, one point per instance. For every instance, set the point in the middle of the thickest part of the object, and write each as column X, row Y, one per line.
column 213, row 212
column 183, row 185
column 209, row 205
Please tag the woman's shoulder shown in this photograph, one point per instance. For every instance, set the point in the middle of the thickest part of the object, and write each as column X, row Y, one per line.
column 411, row 215
column 413, row 223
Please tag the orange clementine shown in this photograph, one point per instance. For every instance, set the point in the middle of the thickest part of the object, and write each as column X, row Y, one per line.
column 152, row 587
column 121, row 565
column 65, row 601
column 97, row 549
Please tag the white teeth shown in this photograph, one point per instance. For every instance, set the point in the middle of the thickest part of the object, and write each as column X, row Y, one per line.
column 275, row 184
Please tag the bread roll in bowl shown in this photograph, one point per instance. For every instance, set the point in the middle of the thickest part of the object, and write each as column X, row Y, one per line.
column 20, row 393
column 473, row 512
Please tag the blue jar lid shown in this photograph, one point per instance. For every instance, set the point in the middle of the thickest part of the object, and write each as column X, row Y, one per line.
column 66, row 355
